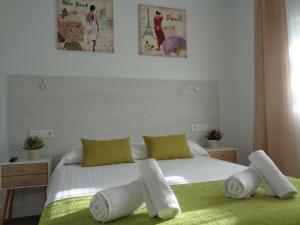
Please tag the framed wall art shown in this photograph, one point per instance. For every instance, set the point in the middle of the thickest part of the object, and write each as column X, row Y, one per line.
column 86, row 25
column 162, row 31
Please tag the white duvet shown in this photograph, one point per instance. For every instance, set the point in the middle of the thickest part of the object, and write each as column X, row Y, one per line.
column 73, row 180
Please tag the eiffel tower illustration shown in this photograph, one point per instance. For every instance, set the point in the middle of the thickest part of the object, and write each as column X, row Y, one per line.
column 148, row 30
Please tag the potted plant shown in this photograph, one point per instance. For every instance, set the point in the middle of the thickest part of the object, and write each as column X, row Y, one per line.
column 32, row 144
column 214, row 136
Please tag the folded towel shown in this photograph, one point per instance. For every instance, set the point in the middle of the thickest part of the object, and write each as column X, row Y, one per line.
column 116, row 202
column 275, row 183
column 242, row 184
column 158, row 195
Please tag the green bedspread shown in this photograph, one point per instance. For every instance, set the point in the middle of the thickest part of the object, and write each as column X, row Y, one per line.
column 202, row 203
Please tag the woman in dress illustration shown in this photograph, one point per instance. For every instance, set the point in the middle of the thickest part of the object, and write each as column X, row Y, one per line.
column 160, row 36
column 93, row 26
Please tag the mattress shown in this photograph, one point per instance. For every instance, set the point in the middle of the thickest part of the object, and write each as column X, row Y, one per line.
column 197, row 184
column 75, row 181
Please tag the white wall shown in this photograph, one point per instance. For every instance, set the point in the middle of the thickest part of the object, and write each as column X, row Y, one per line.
column 28, row 47
column 28, row 39
column 3, row 127
column 3, row 107
column 3, row 121
column 3, row 110
column 245, row 77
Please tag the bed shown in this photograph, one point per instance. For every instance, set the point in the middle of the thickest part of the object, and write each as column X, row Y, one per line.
column 197, row 183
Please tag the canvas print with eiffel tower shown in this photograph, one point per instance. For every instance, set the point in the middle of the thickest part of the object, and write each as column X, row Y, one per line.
column 162, row 31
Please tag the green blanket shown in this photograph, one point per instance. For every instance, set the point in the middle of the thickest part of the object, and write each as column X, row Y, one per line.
column 202, row 203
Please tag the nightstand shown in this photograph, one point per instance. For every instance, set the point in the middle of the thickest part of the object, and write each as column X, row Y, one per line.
column 223, row 153
column 23, row 174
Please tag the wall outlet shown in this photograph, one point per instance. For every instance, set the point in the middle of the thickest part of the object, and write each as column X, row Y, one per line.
column 42, row 133
column 199, row 127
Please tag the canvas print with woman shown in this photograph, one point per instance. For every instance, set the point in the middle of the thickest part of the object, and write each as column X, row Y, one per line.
column 162, row 31
column 85, row 25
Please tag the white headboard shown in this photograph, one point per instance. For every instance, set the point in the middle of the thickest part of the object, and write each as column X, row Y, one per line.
column 76, row 107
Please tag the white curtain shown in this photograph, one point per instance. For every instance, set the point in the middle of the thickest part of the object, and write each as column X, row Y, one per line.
column 293, row 17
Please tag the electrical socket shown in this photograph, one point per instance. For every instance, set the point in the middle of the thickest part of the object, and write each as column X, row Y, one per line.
column 199, row 127
column 46, row 134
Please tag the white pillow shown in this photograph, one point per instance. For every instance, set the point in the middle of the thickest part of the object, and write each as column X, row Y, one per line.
column 72, row 156
column 139, row 150
column 196, row 149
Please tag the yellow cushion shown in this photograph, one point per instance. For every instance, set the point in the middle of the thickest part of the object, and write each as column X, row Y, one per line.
column 97, row 152
column 167, row 147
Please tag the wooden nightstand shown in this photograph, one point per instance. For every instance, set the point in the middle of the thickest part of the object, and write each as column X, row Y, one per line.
column 23, row 174
column 223, row 153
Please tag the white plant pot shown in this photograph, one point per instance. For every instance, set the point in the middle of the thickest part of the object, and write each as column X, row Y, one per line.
column 213, row 143
column 33, row 154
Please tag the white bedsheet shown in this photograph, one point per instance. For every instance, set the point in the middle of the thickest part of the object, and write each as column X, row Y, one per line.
column 73, row 180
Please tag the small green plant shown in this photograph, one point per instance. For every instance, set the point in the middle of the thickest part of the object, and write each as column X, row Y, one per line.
column 214, row 134
column 33, row 143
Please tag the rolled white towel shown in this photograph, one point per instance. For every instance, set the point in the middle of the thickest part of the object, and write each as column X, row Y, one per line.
column 275, row 182
column 116, row 202
column 242, row 184
column 267, row 188
column 150, row 207
column 162, row 201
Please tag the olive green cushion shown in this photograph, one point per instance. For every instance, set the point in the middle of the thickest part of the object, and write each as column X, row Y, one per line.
column 167, row 147
column 97, row 152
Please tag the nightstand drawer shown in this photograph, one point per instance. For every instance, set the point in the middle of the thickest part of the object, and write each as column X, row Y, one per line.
column 24, row 169
column 229, row 154
column 20, row 174
column 23, row 181
column 231, row 160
